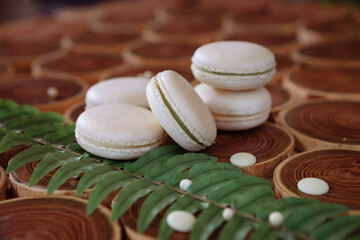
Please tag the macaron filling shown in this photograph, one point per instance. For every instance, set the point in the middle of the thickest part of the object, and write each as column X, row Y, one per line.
column 231, row 117
column 233, row 74
column 175, row 115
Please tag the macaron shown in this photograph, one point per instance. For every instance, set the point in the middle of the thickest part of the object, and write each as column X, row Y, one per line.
column 236, row 110
column 126, row 90
column 118, row 131
column 181, row 112
column 233, row 65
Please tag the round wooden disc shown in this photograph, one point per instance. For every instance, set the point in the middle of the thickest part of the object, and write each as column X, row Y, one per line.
column 330, row 54
column 55, row 218
column 340, row 168
column 73, row 112
column 7, row 70
column 328, row 83
column 284, row 66
column 3, row 184
column 321, row 124
column 281, row 99
column 269, row 143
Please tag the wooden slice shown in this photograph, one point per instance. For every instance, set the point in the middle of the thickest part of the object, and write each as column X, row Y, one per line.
column 85, row 66
column 74, row 111
column 7, row 70
column 321, row 124
column 6, row 156
column 329, row 83
column 25, row 89
column 89, row 42
column 140, row 53
column 3, row 184
column 338, row 167
column 330, row 54
column 281, row 99
column 20, row 178
column 269, row 143
column 284, row 66
column 55, row 218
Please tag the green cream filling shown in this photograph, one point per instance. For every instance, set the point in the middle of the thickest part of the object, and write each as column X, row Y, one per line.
column 175, row 116
column 235, row 74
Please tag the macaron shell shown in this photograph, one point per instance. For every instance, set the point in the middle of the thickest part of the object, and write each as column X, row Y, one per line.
column 127, row 90
column 232, row 82
column 234, row 57
column 118, row 130
column 188, row 106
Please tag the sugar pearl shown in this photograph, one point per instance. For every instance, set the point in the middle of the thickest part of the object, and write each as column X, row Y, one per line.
column 243, row 159
column 181, row 221
column 313, row 186
column 276, row 218
column 52, row 92
column 185, row 184
column 227, row 214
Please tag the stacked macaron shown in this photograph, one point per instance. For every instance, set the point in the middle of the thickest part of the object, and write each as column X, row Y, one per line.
column 233, row 75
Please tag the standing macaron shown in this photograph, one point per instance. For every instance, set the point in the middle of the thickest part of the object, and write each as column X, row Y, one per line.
column 118, row 131
column 236, row 110
column 127, row 90
column 181, row 112
column 233, row 65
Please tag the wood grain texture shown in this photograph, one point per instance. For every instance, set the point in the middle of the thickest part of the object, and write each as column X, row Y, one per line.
column 72, row 113
column 7, row 70
column 9, row 154
column 55, row 218
column 327, row 83
column 85, row 66
column 281, row 99
column 3, row 184
column 269, row 143
column 329, row 54
column 284, row 66
column 340, row 168
column 320, row 124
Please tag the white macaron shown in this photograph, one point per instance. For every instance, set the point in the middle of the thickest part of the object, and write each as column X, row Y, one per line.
column 233, row 65
column 236, row 110
column 118, row 131
column 181, row 112
column 127, row 90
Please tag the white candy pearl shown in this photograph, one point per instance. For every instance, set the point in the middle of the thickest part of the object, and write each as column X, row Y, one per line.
column 227, row 214
column 243, row 159
column 181, row 221
column 313, row 186
column 52, row 92
column 276, row 218
column 185, row 184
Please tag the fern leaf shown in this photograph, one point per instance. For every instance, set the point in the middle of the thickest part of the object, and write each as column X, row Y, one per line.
column 235, row 188
column 306, row 219
column 152, row 158
column 236, row 228
column 108, row 184
column 153, row 204
column 175, row 165
column 285, row 205
column 186, row 203
column 16, row 111
column 93, row 176
column 251, row 199
column 14, row 139
column 265, row 232
column 75, row 147
column 22, row 122
column 49, row 163
column 210, row 219
column 212, row 182
column 199, row 171
column 32, row 154
column 69, row 170
column 4, row 103
column 40, row 131
column 62, row 136
column 129, row 194
column 337, row 228
column 116, row 163
column 3, row 133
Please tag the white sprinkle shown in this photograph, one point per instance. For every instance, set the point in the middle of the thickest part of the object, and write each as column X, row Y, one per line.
column 276, row 218
column 243, row 159
column 227, row 214
column 313, row 186
column 181, row 221
column 185, row 184
column 52, row 92
column 146, row 74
